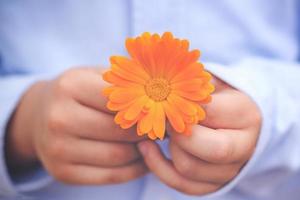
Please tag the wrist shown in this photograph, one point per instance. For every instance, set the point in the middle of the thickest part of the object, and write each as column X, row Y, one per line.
column 19, row 148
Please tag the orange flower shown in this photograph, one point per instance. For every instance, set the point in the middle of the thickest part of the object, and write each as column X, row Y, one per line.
column 161, row 79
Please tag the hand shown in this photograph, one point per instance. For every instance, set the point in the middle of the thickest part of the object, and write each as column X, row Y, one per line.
column 217, row 149
column 64, row 124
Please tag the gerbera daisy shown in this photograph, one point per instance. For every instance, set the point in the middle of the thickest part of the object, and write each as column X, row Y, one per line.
column 160, row 80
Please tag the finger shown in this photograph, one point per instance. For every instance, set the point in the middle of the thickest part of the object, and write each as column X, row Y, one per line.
column 97, row 153
column 228, row 110
column 89, row 85
column 217, row 146
column 91, row 124
column 196, row 169
column 219, row 84
column 89, row 175
column 166, row 172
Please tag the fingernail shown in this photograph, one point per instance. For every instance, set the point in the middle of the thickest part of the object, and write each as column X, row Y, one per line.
column 142, row 148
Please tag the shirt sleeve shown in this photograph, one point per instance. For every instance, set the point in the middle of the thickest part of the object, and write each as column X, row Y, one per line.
column 275, row 87
column 12, row 87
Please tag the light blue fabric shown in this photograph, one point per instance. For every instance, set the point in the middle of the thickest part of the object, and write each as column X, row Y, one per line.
column 251, row 44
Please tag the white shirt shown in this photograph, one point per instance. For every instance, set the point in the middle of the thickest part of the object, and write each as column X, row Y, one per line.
column 251, row 44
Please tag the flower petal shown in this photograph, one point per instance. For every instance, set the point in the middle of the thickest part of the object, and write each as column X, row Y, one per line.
column 127, row 75
column 172, row 54
column 191, row 71
column 136, row 108
column 132, row 49
column 123, row 95
column 112, row 78
column 189, row 119
column 155, row 57
column 147, row 52
column 201, row 113
column 194, row 96
column 183, row 62
column 118, row 106
column 108, row 90
column 206, row 100
column 174, row 117
column 138, row 130
column 146, row 123
column 128, row 123
column 188, row 84
column 119, row 117
column 130, row 66
column 148, row 106
column 182, row 104
column 188, row 129
column 184, row 45
column 152, row 135
column 209, row 87
column 159, row 121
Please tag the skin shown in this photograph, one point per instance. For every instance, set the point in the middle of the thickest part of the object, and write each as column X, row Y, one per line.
column 217, row 149
column 64, row 124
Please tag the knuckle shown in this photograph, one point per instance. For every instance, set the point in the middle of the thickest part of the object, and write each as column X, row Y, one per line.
column 194, row 189
column 254, row 113
column 183, row 190
column 212, row 188
column 62, row 85
column 177, row 186
column 228, row 174
column 62, row 174
column 231, row 175
column 56, row 149
column 119, row 155
column 112, row 178
column 117, row 130
column 191, row 192
column 184, row 167
column 65, row 82
column 222, row 152
column 247, row 152
column 130, row 135
column 207, row 189
column 256, row 117
column 56, row 120
column 127, row 135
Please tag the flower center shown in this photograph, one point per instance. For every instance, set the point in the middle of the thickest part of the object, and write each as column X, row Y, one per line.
column 158, row 89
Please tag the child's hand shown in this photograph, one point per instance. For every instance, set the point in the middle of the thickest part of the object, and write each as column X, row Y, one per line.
column 65, row 125
column 216, row 150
